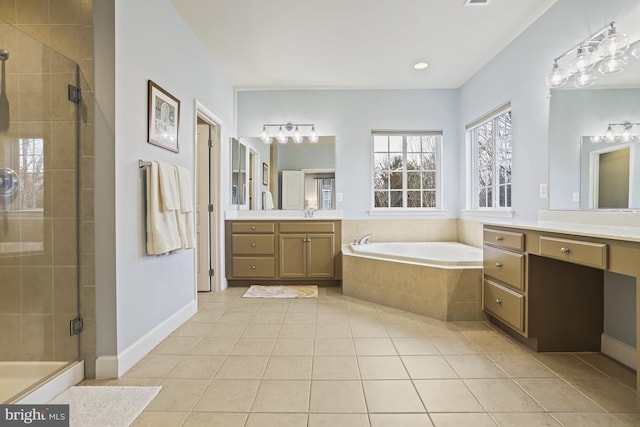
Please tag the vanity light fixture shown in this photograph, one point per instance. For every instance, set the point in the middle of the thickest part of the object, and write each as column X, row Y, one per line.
column 619, row 132
column 605, row 50
column 286, row 130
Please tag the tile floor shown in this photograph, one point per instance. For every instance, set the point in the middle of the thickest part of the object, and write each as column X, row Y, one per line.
column 338, row 361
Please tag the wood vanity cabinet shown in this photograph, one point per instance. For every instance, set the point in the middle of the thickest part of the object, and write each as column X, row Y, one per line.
column 283, row 251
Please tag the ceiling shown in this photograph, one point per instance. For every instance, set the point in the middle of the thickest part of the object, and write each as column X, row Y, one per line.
column 360, row 44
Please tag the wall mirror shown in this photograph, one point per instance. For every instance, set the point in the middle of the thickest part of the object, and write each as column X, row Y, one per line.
column 238, row 172
column 581, row 175
column 301, row 176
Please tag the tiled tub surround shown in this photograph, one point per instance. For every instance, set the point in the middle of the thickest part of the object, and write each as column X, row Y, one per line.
column 438, row 292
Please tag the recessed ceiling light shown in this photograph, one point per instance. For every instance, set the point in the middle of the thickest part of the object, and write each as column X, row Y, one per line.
column 420, row 65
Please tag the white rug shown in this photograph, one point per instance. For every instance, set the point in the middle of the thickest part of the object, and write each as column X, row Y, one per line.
column 286, row 291
column 105, row 406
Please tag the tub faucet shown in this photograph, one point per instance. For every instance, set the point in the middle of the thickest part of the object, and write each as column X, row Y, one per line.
column 364, row 240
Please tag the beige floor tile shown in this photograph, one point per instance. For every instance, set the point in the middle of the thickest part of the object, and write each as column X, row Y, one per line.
column 368, row 329
column 214, row 346
column 629, row 419
column 226, row 330
column 521, row 365
column 568, row 365
column 259, row 330
column 610, row 394
column 610, row 367
column 555, row 395
column 455, row 345
column 176, row 345
column 406, row 330
column 308, row 318
column 297, row 331
column 339, row 420
column 473, row 325
column 154, row 366
column 500, row 395
column 400, row 420
column 282, row 396
column 242, row 368
column 374, row 347
column 497, row 344
column 276, row 420
column 197, row 367
column 334, row 347
column 253, row 347
column 160, row 419
column 206, row 317
column 332, row 330
column 335, row 368
column 415, row 346
column 382, row 368
column 228, row 396
column 301, row 306
column 474, row 366
column 428, row 367
column 462, row 420
column 447, row 396
column 337, row 397
column 289, row 368
column 178, row 395
column 524, row 420
column 588, row 420
column 194, row 329
column 267, row 318
column 293, row 347
column 274, row 307
column 392, row 396
column 215, row 420
column 333, row 318
column 236, row 317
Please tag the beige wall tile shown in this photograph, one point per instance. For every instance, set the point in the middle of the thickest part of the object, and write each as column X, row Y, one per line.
column 44, row 258
column 10, row 290
column 38, row 336
column 62, row 64
column 40, row 32
column 11, row 337
column 67, row 39
column 64, row 242
column 37, row 290
column 65, row 291
column 12, row 89
column 9, row 37
column 33, row 11
column 33, row 57
column 65, row 11
column 32, row 230
column 8, row 11
column 65, row 345
column 62, row 108
column 470, row 232
column 63, row 145
column 64, row 194
column 35, row 97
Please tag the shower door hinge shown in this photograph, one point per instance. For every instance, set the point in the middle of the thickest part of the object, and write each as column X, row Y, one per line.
column 211, row 143
column 75, row 326
column 75, row 94
column 212, row 272
column 210, row 208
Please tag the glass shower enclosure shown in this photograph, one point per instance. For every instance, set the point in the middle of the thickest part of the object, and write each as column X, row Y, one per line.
column 39, row 212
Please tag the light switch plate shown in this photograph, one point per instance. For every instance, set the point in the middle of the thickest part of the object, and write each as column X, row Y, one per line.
column 338, row 197
column 543, row 190
column 576, row 196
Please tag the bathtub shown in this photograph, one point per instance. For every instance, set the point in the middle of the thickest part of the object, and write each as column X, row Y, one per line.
column 442, row 280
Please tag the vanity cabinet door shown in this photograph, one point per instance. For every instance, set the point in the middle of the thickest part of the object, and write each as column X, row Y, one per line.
column 293, row 255
column 321, row 255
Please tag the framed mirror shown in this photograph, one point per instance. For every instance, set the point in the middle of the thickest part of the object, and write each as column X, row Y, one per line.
column 238, row 172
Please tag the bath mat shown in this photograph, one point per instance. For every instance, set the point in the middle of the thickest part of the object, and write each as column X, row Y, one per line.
column 105, row 406
column 287, row 291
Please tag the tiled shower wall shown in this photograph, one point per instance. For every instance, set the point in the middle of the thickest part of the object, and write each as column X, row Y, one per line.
column 66, row 27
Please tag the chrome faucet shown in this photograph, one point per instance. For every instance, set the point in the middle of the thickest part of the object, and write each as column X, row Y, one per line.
column 364, row 240
column 308, row 213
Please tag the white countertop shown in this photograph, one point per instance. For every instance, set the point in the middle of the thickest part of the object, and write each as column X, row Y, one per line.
column 284, row 215
column 614, row 232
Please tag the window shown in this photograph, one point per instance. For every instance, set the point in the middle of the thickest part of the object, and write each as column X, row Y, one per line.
column 490, row 138
column 406, row 171
column 31, row 174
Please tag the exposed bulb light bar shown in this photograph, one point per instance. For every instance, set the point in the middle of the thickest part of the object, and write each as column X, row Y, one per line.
column 619, row 132
column 286, row 130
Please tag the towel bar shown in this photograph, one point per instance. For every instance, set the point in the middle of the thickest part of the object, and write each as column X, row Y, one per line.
column 143, row 163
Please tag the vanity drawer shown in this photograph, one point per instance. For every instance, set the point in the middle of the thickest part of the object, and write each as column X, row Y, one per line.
column 252, row 227
column 263, row 267
column 258, row 244
column 576, row 251
column 504, row 239
column 307, row 227
column 505, row 266
column 504, row 304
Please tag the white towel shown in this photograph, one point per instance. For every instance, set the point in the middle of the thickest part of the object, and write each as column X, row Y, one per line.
column 162, row 228
column 168, row 186
column 267, row 200
column 185, row 213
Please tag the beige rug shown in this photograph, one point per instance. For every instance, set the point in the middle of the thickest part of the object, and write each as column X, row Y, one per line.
column 286, row 291
column 105, row 406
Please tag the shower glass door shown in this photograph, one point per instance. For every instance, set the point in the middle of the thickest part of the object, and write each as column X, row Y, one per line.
column 38, row 212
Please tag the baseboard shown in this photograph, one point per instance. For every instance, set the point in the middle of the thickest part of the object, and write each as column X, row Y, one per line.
column 618, row 350
column 45, row 393
column 110, row 366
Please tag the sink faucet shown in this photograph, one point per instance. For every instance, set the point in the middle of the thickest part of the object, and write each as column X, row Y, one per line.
column 308, row 213
column 364, row 240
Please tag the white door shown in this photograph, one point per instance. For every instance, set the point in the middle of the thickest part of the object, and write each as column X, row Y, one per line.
column 292, row 190
column 205, row 232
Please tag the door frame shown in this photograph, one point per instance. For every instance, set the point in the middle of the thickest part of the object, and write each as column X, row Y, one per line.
column 205, row 114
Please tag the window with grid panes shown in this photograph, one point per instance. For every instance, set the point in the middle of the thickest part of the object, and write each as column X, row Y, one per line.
column 406, row 169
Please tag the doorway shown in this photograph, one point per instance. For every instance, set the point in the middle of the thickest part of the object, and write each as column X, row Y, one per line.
column 610, row 182
column 207, row 200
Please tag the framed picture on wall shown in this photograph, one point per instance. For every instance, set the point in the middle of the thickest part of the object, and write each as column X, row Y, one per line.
column 265, row 174
column 163, row 118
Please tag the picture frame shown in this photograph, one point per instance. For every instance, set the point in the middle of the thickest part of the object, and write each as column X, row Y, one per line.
column 163, row 118
column 265, row 174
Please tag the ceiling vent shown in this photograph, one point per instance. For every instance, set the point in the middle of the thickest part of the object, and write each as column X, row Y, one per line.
column 475, row 2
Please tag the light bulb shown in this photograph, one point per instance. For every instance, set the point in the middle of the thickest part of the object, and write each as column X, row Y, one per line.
column 264, row 136
column 297, row 138
column 613, row 44
column 313, row 137
column 282, row 139
column 627, row 136
column 636, row 51
column 557, row 77
column 610, row 136
column 596, row 139
column 583, row 62
column 613, row 64
column 583, row 80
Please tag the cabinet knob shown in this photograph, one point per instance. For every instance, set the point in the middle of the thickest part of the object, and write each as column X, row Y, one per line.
column 253, row 267
column 499, row 265
column 253, row 245
column 253, row 227
column 564, row 250
column 498, row 301
column 499, row 238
